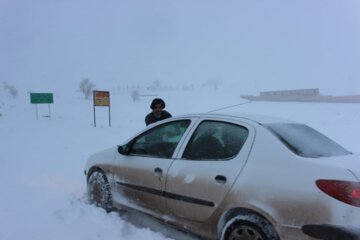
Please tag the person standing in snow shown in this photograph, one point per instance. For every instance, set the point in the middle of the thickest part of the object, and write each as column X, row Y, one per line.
column 158, row 113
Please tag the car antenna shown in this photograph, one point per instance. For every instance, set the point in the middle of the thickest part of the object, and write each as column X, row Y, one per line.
column 231, row 106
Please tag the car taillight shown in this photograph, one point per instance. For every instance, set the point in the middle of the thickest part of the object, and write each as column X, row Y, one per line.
column 344, row 191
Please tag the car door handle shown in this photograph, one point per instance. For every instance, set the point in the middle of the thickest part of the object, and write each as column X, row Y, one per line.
column 159, row 173
column 220, row 179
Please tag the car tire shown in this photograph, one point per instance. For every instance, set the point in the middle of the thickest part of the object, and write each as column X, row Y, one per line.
column 99, row 190
column 249, row 227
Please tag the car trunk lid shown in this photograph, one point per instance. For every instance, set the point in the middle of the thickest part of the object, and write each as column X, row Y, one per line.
column 350, row 162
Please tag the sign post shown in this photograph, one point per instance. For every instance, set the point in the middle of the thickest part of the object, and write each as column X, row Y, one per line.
column 41, row 98
column 101, row 99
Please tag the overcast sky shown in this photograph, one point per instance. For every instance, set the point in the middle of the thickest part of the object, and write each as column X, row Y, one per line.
column 255, row 45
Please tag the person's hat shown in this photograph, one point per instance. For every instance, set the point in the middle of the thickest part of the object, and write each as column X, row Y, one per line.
column 157, row 101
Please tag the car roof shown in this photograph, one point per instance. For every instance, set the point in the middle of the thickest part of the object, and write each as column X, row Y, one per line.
column 260, row 119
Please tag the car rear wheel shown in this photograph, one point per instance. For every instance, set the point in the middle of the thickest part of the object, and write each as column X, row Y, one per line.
column 99, row 190
column 249, row 227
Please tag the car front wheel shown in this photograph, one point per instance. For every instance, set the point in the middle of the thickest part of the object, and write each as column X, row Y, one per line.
column 99, row 190
column 249, row 227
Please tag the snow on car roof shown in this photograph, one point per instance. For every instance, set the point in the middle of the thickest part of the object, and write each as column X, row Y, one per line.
column 262, row 119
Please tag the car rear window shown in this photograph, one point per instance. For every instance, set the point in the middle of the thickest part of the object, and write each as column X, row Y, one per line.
column 306, row 141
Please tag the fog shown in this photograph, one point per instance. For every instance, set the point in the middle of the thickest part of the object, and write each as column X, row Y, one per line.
column 209, row 51
column 250, row 46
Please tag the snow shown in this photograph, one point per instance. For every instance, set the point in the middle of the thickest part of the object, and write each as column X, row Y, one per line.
column 189, row 178
column 42, row 161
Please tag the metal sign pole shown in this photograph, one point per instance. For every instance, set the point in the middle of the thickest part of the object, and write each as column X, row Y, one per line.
column 109, row 112
column 109, row 118
column 94, row 108
column 94, row 118
column 49, row 111
column 36, row 111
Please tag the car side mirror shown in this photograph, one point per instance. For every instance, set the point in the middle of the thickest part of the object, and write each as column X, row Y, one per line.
column 123, row 149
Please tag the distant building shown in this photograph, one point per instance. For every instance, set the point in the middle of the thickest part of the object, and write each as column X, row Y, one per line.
column 297, row 92
column 301, row 95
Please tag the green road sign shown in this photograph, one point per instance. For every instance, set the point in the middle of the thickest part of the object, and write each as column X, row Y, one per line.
column 39, row 98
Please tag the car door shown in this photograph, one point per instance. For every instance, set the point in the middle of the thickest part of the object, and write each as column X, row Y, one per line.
column 199, row 180
column 139, row 172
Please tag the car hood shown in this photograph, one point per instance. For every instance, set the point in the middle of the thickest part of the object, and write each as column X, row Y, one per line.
column 350, row 162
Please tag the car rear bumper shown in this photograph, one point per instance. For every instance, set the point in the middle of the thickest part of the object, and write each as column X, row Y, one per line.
column 331, row 232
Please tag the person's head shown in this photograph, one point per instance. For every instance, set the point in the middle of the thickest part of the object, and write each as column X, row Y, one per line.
column 157, row 105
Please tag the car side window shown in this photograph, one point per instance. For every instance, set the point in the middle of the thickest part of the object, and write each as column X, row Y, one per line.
column 215, row 140
column 159, row 141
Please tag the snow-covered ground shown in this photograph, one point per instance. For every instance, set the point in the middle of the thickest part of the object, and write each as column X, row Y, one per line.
column 43, row 189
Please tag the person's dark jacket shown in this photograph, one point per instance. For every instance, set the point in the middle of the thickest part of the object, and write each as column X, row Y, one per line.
column 151, row 118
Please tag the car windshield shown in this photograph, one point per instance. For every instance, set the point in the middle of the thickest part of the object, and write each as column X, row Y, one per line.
column 306, row 141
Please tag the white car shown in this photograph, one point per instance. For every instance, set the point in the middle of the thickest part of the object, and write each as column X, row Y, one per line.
column 233, row 176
